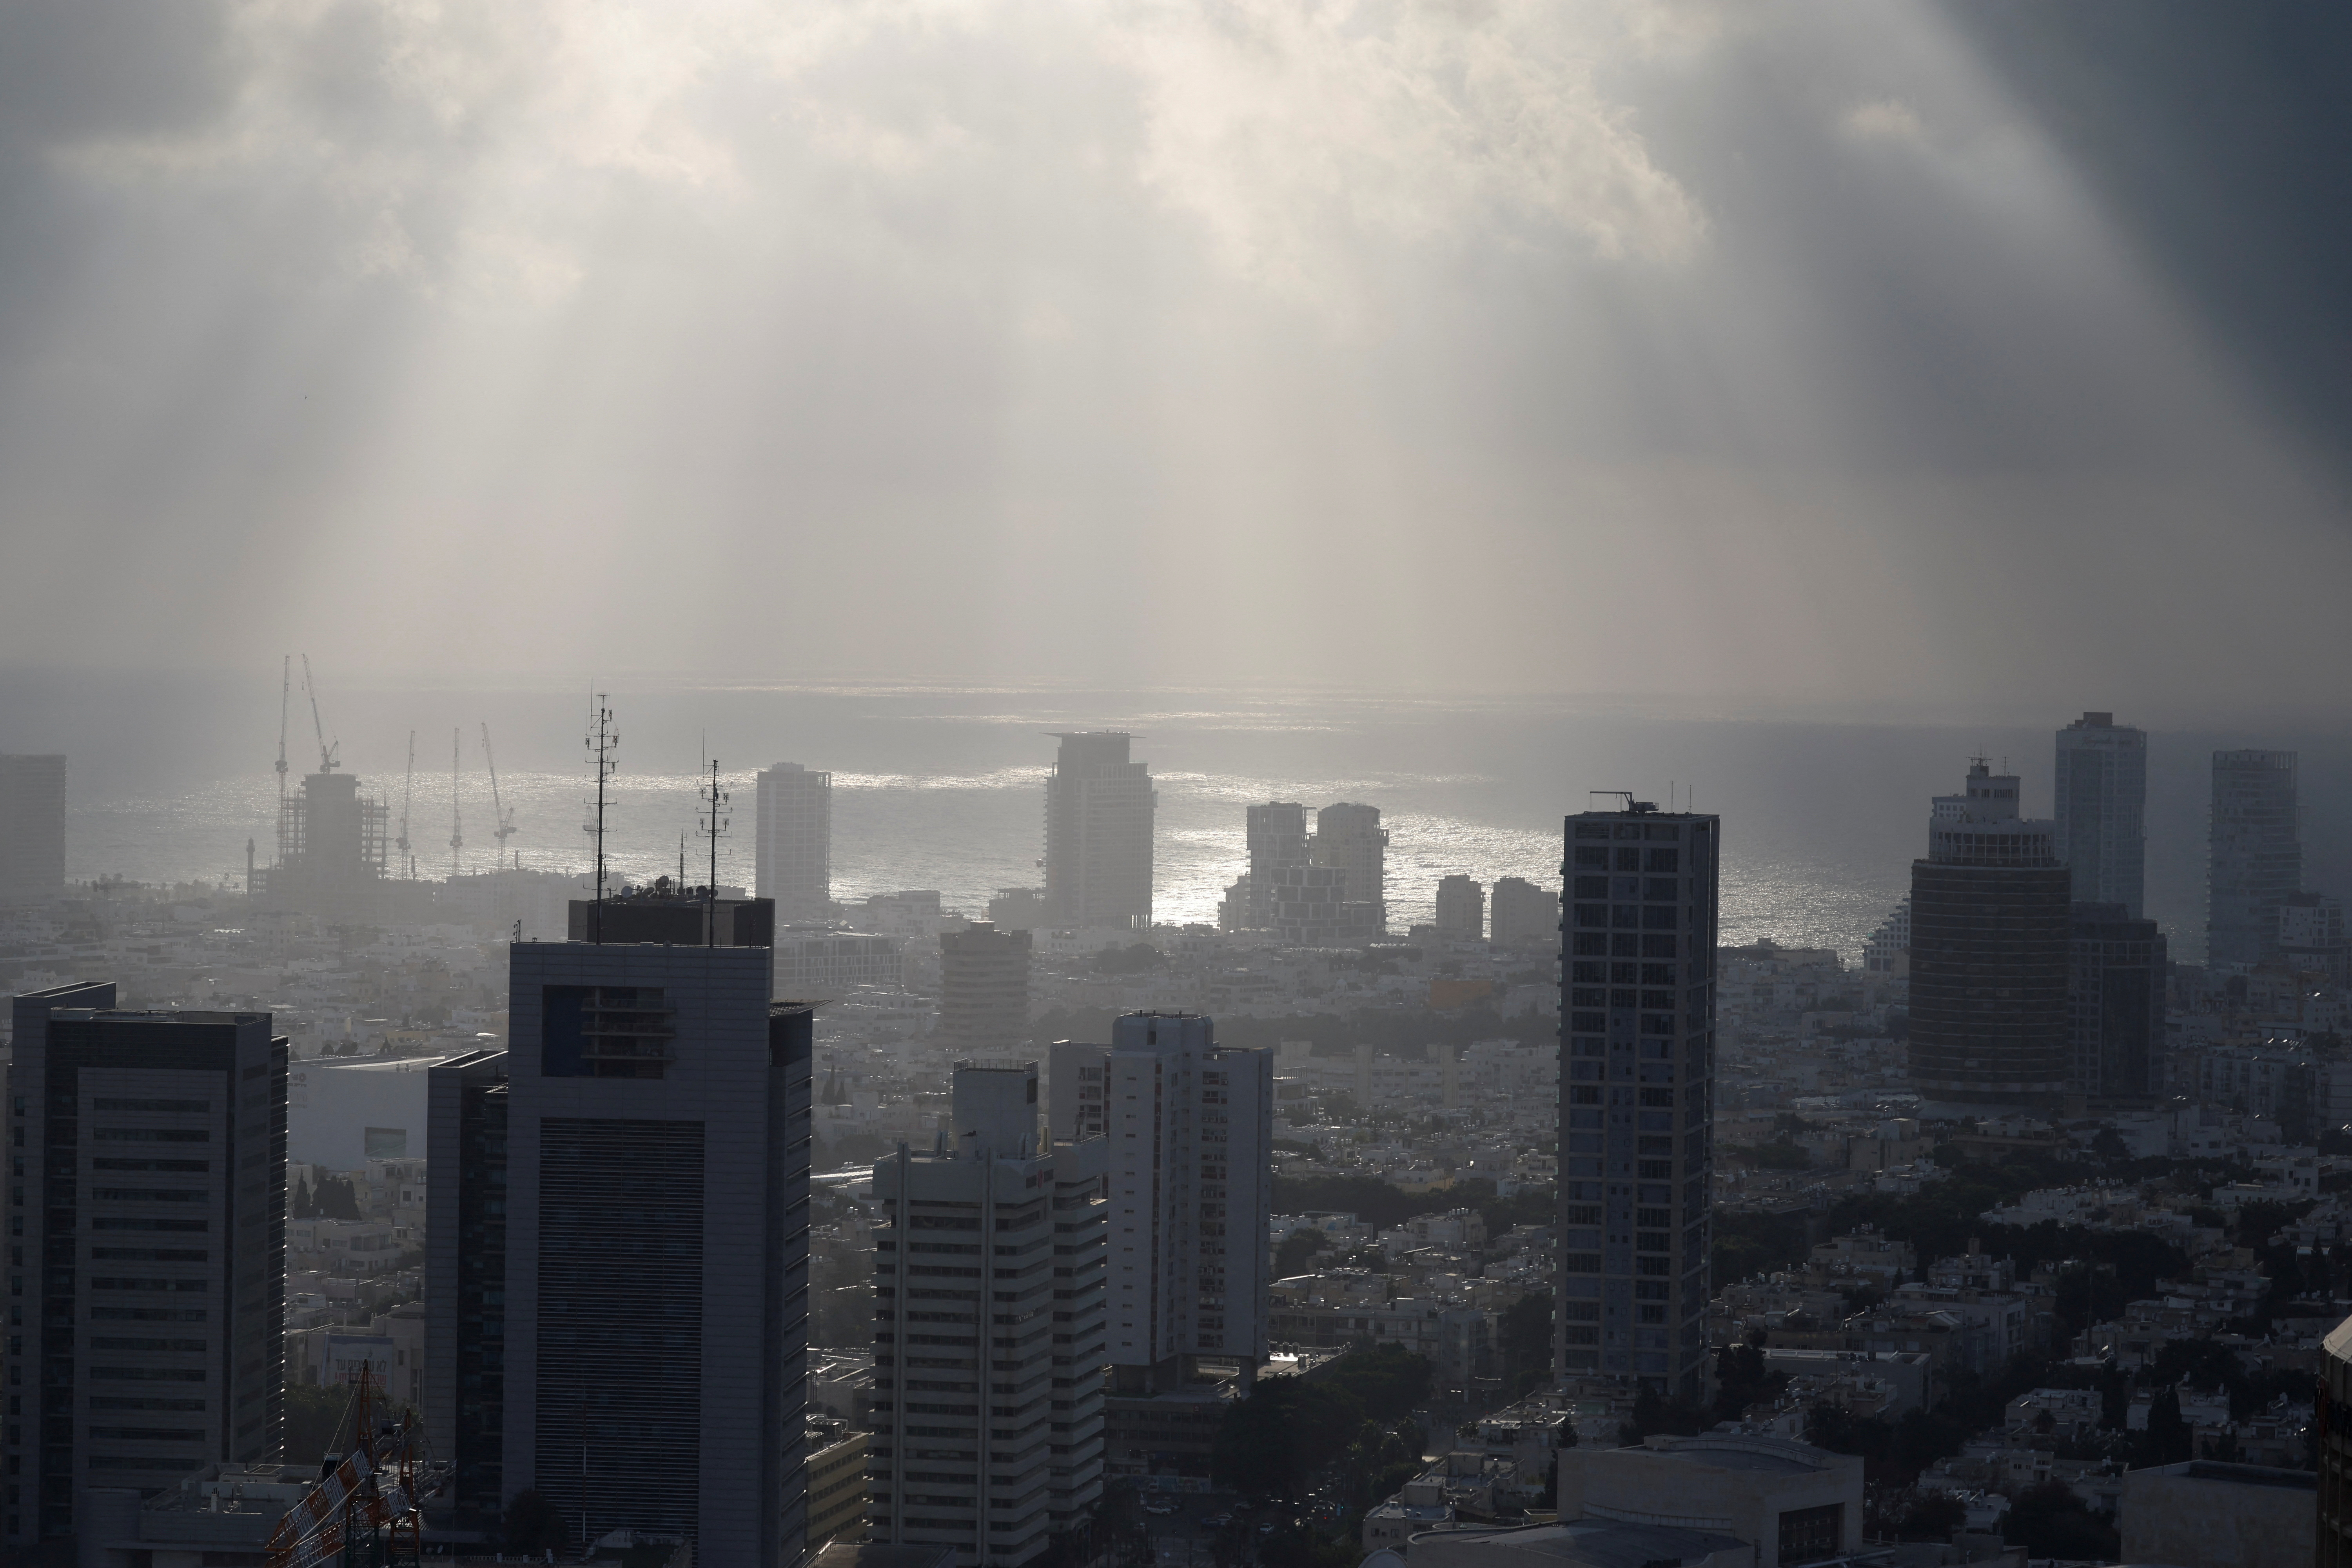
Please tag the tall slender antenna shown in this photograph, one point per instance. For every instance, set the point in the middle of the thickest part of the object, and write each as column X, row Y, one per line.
column 602, row 741
column 408, row 792
column 714, row 827
column 457, row 810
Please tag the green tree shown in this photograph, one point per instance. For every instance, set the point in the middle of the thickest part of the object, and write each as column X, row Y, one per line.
column 315, row 1417
column 1296, row 1251
column 1526, row 1335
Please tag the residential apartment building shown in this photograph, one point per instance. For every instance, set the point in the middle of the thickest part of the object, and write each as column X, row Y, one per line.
column 1190, row 1129
column 989, row 1331
column 983, row 989
column 2256, row 854
column 1637, row 1077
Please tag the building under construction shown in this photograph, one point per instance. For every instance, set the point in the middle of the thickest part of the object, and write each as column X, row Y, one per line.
column 331, row 843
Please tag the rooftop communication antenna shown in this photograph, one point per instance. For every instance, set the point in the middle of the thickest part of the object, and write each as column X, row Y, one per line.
column 601, row 743
column 712, row 823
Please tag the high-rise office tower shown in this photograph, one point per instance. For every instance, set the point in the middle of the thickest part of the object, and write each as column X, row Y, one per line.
column 1989, row 934
column 1278, row 837
column 2115, row 1003
column 983, row 989
column 1099, row 808
column 1461, row 909
column 1636, row 1090
column 989, row 1330
column 1349, row 838
column 2257, row 855
column 147, row 1251
column 1521, row 914
column 795, row 849
column 1190, row 1131
column 2102, row 808
column 32, row 828
column 650, row 1143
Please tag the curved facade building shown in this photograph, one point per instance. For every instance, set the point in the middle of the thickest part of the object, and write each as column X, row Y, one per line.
column 1990, row 935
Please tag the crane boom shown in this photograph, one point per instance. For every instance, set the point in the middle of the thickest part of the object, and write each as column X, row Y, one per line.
column 457, row 817
column 326, row 752
column 408, row 792
column 502, row 820
column 285, row 696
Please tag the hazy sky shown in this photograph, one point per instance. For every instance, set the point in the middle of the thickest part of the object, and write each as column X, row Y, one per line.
column 1868, row 354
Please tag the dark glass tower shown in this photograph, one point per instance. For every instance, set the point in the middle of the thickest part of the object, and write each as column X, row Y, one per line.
column 633, row 1175
column 146, row 1250
column 2115, row 1003
column 1990, row 926
column 1636, row 1090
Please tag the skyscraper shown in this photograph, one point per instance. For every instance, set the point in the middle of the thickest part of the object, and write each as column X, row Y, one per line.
column 1191, row 1130
column 983, row 989
column 1098, row 811
column 2257, row 855
column 1349, row 839
column 988, row 1390
column 1636, row 1088
column 645, row 1285
column 794, row 850
column 1461, row 909
column 2115, row 1003
column 2102, row 804
column 32, row 828
column 1278, row 837
column 1521, row 914
column 147, row 1249
column 1989, row 934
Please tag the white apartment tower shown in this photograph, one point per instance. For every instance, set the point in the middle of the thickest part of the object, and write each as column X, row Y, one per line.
column 1349, row 838
column 988, row 1330
column 795, row 842
column 1461, row 909
column 1188, row 1130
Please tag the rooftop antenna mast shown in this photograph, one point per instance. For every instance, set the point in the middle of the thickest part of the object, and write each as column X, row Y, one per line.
column 601, row 744
column 326, row 751
column 407, row 794
column 284, row 696
column 502, row 820
column 457, row 811
column 714, row 827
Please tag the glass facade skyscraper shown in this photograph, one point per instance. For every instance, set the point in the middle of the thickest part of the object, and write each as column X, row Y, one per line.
column 2102, row 808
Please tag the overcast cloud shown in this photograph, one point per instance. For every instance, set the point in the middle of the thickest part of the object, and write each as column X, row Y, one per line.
column 1348, row 343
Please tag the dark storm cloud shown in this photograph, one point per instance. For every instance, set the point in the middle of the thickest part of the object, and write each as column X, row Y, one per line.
column 903, row 336
column 2220, row 138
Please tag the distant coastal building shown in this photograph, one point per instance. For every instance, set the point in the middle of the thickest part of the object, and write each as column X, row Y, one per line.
column 1521, row 914
column 2256, row 850
column 1098, row 825
column 1461, row 909
column 32, row 828
column 795, row 842
column 2102, row 808
column 983, row 989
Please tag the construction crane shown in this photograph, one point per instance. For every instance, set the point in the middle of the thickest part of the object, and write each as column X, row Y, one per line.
column 326, row 751
column 408, row 792
column 456, row 817
column 284, row 696
column 364, row 1509
column 502, row 826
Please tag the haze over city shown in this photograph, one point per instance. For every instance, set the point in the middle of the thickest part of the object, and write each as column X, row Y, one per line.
column 1559, row 780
